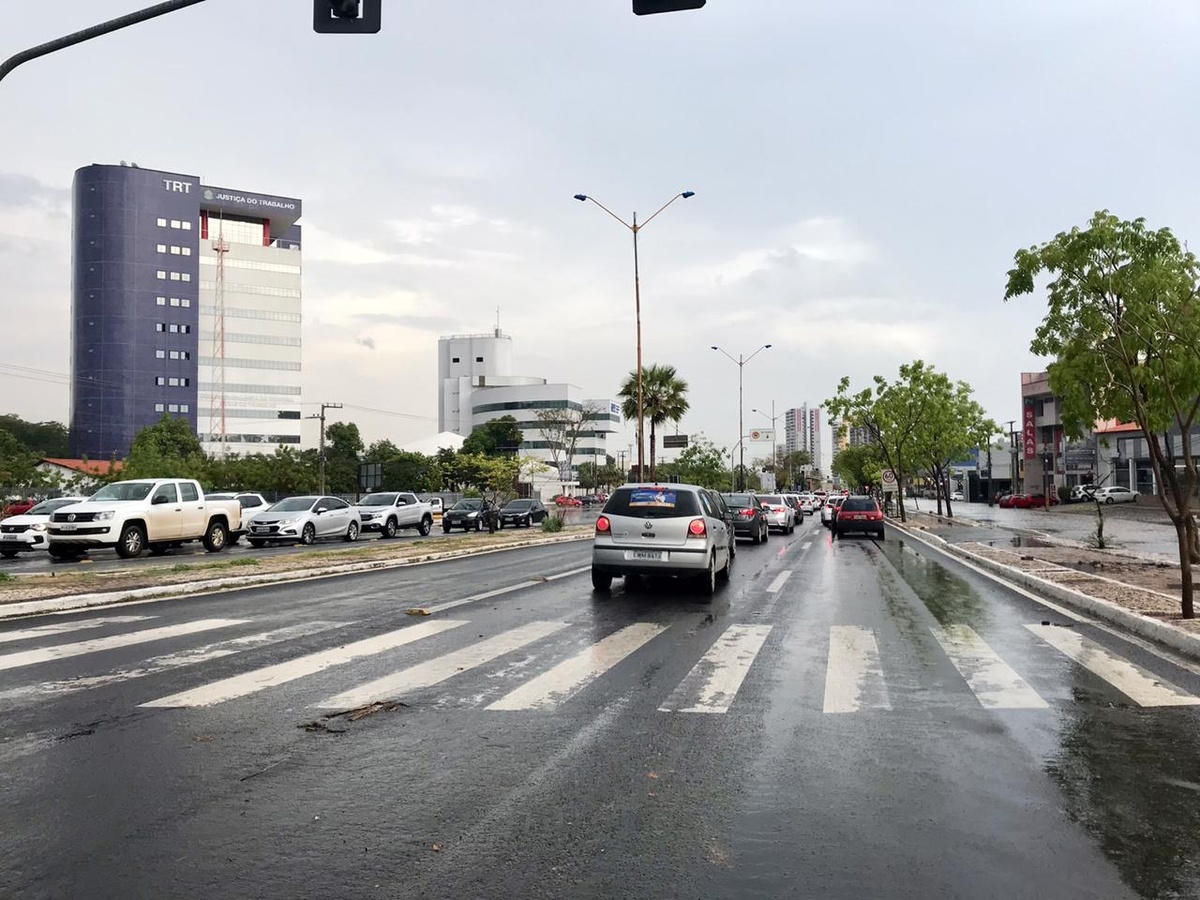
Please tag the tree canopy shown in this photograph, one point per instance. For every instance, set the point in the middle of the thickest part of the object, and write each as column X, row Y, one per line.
column 501, row 436
column 664, row 399
column 1123, row 328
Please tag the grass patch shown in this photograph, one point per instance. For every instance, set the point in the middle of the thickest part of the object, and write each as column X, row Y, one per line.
column 244, row 561
column 4, row 576
column 552, row 524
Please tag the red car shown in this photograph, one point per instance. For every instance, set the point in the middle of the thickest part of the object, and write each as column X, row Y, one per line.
column 564, row 500
column 859, row 514
column 17, row 508
column 1008, row 501
column 1032, row 501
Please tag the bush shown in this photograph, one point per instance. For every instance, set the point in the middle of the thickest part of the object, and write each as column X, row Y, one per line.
column 1064, row 494
column 552, row 524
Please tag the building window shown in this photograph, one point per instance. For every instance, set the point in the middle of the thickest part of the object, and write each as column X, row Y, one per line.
column 160, row 301
column 185, row 329
column 174, row 407
column 175, row 223
column 479, row 359
column 174, row 301
column 186, row 251
column 186, row 276
column 162, row 223
column 160, row 354
column 160, row 275
column 174, row 276
column 180, row 354
column 159, row 326
column 454, row 359
column 161, row 248
column 172, row 382
column 185, row 302
column 183, row 407
column 187, row 226
column 185, row 381
column 173, row 328
column 158, row 407
column 174, row 250
column 160, row 381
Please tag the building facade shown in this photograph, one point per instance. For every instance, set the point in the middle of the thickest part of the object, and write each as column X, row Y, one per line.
column 476, row 385
column 802, row 432
column 185, row 302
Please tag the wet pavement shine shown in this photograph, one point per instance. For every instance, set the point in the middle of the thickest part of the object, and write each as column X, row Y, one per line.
column 845, row 719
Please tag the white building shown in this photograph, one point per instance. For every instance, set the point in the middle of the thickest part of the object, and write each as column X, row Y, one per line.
column 476, row 385
column 802, row 432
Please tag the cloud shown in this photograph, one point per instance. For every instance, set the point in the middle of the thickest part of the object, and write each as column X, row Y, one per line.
column 367, row 341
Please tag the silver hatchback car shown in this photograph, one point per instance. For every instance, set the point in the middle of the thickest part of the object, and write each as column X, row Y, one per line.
column 664, row 529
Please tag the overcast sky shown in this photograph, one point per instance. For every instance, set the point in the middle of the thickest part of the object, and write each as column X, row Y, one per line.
column 863, row 172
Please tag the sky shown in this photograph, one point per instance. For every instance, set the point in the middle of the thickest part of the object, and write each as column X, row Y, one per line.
column 863, row 174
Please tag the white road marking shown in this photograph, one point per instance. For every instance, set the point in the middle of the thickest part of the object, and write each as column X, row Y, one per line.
column 991, row 679
column 63, row 651
column 777, row 585
column 439, row 669
column 65, row 627
column 170, row 661
column 714, row 681
column 559, row 683
column 806, row 545
column 1139, row 685
column 282, row 673
column 854, row 671
column 487, row 595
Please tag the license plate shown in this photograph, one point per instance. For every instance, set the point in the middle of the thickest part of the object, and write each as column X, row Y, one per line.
column 260, row 528
column 645, row 554
column 67, row 526
column 859, row 517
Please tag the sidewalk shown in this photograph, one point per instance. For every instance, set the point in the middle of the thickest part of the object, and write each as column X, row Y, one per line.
column 1138, row 593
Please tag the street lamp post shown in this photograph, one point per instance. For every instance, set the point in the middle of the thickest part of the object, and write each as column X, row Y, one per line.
column 637, row 299
column 740, row 362
column 775, row 445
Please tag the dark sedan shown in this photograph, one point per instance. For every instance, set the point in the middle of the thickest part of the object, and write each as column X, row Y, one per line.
column 522, row 513
column 748, row 518
column 469, row 515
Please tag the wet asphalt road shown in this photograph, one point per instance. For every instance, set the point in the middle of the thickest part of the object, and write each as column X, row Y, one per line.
column 855, row 740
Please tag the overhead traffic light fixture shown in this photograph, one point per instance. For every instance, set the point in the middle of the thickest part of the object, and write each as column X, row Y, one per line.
column 347, row 16
column 650, row 7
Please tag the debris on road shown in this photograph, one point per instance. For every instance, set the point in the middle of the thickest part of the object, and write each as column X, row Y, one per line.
column 418, row 611
column 361, row 712
column 320, row 727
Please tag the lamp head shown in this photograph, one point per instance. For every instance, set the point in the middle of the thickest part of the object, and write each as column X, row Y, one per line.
column 687, row 194
column 714, row 347
column 581, row 197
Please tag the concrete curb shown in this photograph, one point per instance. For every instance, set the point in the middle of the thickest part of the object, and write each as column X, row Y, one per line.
column 169, row 591
column 1135, row 623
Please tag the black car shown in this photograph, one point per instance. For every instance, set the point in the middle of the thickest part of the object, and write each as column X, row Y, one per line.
column 522, row 513
column 748, row 518
column 469, row 515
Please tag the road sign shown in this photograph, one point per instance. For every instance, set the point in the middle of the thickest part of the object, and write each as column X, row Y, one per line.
column 889, row 481
column 674, row 441
column 762, row 434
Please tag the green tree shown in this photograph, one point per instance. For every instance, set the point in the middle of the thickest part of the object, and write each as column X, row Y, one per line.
column 561, row 428
column 892, row 413
column 43, row 439
column 501, row 436
column 167, row 449
column 953, row 426
column 664, row 399
column 381, row 452
column 18, row 467
column 343, row 447
column 1123, row 328
column 405, row 471
column 704, row 463
column 858, row 466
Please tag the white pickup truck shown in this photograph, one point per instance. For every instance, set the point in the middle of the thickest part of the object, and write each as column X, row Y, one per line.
column 152, row 514
column 389, row 511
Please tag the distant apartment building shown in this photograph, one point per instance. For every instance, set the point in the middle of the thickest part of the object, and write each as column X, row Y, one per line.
column 185, row 302
column 476, row 385
column 802, row 432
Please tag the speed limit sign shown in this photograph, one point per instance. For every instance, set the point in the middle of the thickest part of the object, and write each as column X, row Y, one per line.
column 889, row 481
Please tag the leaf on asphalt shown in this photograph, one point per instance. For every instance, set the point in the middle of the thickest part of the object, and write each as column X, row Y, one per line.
column 361, row 712
column 419, row 611
column 437, row 848
column 651, row 774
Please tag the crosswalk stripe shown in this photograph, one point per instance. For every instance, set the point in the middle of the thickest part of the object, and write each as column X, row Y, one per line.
column 282, row 673
column 66, row 627
column 439, row 669
column 572, row 675
column 854, row 671
column 63, row 651
column 713, row 683
column 991, row 679
column 777, row 585
column 1139, row 685
column 806, row 545
column 167, row 662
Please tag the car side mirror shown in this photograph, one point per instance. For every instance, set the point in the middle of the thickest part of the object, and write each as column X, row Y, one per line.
column 319, row 510
column 160, row 499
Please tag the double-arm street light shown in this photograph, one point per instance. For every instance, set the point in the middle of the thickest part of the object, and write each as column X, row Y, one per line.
column 775, row 445
column 740, row 361
column 637, row 299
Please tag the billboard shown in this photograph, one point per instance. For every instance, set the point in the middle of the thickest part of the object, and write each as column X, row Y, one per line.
column 1030, row 430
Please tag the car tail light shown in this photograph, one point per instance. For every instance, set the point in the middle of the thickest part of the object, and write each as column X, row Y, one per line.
column 748, row 512
column 603, row 526
column 697, row 528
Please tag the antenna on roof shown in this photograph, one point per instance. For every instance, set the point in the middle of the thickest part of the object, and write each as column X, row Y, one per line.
column 497, row 321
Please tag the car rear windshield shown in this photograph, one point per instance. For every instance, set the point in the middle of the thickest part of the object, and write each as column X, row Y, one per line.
column 652, row 503
column 48, row 506
column 773, row 499
column 858, row 504
column 738, row 501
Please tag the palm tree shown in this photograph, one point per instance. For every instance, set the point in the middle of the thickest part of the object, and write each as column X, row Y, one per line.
column 664, row 399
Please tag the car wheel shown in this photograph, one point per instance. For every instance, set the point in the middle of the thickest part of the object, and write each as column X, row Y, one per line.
column 758, row 537
column 257, row 543
column 529, row 521
column 500, row 524
column 389, row 528
column 233, row 540
column 64, row 552
column 216, row 537
column 351, row 533
column 425, row 527
column 309, row 534
column 8, row 554
column 445, row 529
column 879, row 534
column 708, row 583
column 132, row 542
column 601, row 582
column 724, row 574
column 1108, row 501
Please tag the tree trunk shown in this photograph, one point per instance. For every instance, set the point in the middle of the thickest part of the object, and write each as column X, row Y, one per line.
column 1099, row 525
column 1185, row 568
column 1193, row 540
column 900, row 497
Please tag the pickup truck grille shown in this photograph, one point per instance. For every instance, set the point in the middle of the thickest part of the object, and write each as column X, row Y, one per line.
column 73, row 517
column 13, row 529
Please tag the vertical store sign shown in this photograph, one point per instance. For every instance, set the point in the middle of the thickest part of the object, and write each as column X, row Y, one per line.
column 1030, row 431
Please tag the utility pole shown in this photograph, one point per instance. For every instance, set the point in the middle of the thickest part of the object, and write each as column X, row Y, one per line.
column 1012, row 457
column 321, row 452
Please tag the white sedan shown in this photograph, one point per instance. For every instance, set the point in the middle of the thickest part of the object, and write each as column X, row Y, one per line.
column 19, row 534
column 1114, row 493
column 304, row 520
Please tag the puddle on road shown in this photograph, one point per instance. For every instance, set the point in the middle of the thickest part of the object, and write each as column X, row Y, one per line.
column 951, row 600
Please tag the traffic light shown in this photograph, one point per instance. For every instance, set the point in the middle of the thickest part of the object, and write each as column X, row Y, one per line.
column 347, row 16
column 650, row 7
